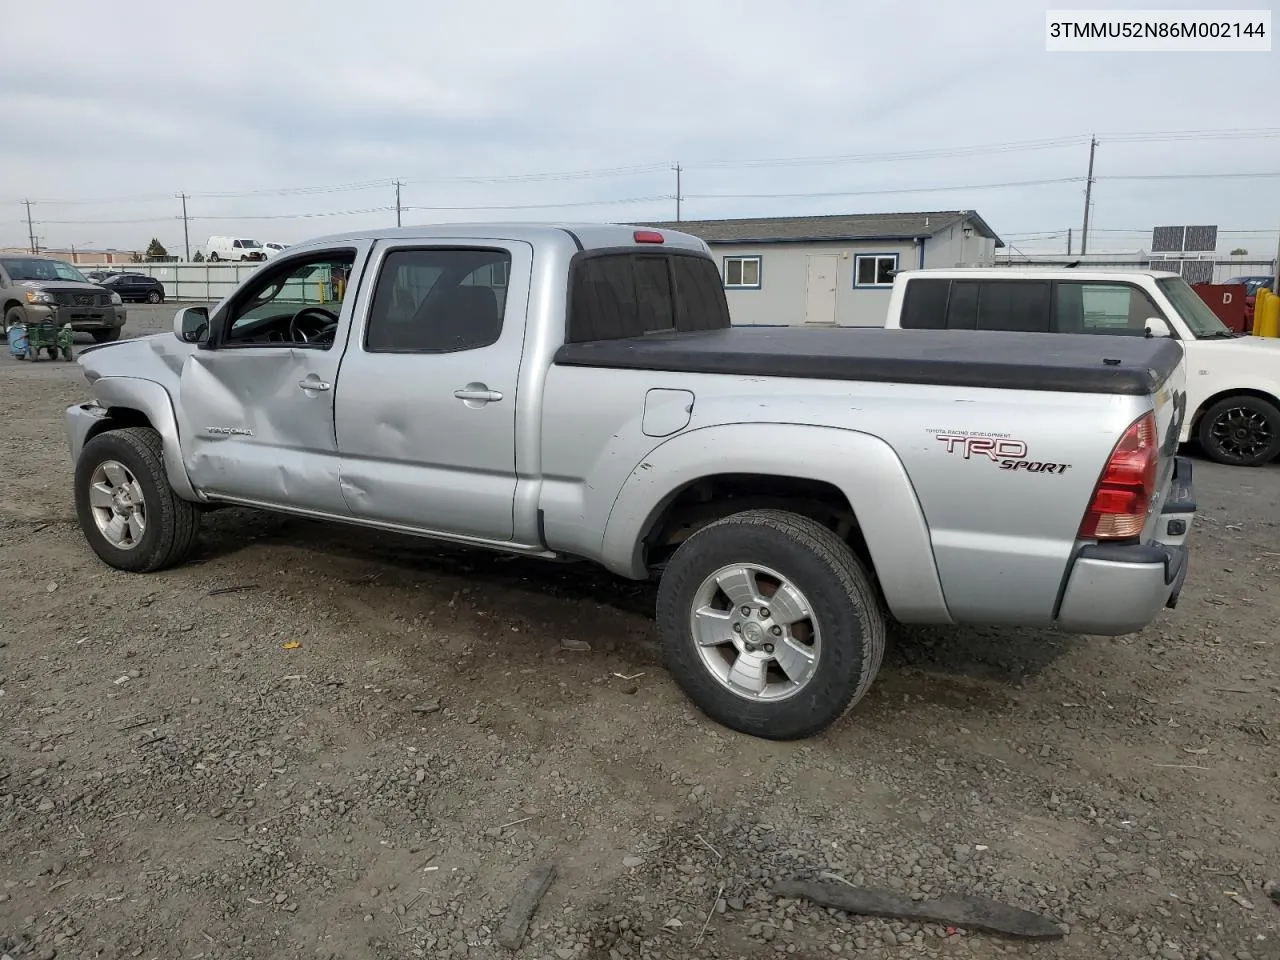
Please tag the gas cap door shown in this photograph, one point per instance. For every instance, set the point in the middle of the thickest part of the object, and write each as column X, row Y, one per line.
column 666, row 411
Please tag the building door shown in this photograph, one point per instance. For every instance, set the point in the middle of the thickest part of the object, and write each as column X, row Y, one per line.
column 820, row 290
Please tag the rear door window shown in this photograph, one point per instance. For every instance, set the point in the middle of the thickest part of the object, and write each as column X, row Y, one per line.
column 1020, row 306
column 962, row 307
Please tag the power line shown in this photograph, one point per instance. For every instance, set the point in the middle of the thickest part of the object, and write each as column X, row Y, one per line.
column 1193, row 176
column 879, row 192
column 551, row 206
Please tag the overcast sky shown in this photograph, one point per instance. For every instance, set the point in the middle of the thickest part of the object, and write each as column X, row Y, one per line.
column 137, row 103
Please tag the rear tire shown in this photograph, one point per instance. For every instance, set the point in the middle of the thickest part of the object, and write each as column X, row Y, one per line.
column 826, row 624
column 170, row 524
column 214, row 258
column 1241, row 431
column 154, row 297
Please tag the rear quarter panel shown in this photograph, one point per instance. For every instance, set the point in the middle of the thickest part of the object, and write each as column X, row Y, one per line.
column 999, row 538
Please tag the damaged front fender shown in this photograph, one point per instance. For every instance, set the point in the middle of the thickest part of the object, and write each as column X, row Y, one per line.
column 129, row 401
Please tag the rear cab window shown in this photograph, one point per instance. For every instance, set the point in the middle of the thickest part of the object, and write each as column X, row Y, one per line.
column 619, row 294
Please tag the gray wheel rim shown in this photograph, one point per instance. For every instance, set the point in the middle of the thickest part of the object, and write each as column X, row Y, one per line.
column 119, row 508
column 755, row 632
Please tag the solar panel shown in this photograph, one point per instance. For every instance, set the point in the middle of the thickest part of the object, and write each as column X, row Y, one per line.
column 1197, row 271
column 1167, row 239
column 1201, row 239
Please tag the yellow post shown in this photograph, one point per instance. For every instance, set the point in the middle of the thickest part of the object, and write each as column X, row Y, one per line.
column 1266, row 315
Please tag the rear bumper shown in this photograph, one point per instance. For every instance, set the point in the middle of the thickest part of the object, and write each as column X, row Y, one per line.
column 1115, row 589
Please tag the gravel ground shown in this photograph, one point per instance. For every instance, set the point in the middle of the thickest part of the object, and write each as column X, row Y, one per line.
column 313, row 742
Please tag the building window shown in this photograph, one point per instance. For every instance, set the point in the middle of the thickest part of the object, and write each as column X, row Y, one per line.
column 742, row 273
column 874, row 269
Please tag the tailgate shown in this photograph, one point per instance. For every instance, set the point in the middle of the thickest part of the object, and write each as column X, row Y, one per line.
column 1174, row 476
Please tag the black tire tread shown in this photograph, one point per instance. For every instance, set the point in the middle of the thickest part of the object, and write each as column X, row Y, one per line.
column 840, row 559
column 179, row 521
column 1212, row 413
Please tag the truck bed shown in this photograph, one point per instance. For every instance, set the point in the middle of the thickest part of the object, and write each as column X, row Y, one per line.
column 1064, row 363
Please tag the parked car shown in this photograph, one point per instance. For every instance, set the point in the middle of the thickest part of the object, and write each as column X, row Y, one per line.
column 135, row 286
column 579, row 393
column 271, row 248
column 1252, row 284
column 1233, row 381
column 34, row 289
column 233, row 248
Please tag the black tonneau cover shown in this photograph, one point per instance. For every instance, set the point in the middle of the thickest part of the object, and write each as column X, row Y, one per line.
column 1065, row 363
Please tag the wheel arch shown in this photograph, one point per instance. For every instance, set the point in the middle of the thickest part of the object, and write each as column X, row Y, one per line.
column 1221, row 395
column 854, row 478
column 133, row 402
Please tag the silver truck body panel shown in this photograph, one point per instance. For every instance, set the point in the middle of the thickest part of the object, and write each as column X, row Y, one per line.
column 503, row 448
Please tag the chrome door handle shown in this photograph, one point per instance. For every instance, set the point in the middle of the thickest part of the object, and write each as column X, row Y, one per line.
column 483, row 396
column 314, row 385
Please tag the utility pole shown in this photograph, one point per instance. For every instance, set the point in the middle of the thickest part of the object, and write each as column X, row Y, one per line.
column 678, row 169
column 186, row 235
column 398, row 185
column 1068, row 241
column 1275, row 285
column 1088, row 196
column 31, row 232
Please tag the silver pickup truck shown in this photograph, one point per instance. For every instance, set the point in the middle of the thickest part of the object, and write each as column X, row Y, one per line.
column 578, row 392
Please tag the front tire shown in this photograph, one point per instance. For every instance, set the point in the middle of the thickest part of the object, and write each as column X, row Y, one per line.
column 770, row 624
column 1241, row 431
column 12, row 318
column 128, row 512
column 106, row 336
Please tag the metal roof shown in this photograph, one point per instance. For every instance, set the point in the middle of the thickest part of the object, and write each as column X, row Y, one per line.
column 855, row 226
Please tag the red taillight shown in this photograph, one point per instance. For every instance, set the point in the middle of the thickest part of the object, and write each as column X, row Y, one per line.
column 1128, row 482
column 647, row 236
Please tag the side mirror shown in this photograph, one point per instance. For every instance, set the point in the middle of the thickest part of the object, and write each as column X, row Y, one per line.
column 1158, row 327
column 191, row 324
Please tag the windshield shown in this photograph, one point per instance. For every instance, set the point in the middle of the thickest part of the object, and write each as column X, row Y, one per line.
column 1204, row 323
column 32, row 269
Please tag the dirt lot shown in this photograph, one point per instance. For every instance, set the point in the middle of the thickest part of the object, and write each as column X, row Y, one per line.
column 364, row 747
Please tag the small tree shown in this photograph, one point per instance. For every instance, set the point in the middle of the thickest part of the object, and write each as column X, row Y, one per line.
column 156, row 250
column 198, row 258
column 1239, row 252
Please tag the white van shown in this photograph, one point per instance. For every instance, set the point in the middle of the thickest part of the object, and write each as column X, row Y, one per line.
column 1233, row 381
column 233, row 248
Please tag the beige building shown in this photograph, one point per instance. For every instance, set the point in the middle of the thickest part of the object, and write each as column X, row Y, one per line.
column 834, row 270
column 79, row 257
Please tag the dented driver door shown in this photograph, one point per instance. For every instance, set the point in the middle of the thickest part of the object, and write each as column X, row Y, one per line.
column 256, row 414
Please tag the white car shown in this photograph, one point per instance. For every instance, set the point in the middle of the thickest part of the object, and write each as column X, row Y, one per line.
column 271, row 248
column 1233, row 381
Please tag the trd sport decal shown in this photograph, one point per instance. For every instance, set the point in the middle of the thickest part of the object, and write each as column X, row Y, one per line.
column 1005, row 452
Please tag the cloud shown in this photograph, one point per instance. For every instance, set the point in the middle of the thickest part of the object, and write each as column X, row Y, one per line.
column 190, row 98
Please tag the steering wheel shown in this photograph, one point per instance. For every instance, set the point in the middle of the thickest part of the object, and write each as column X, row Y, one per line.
column 328, row 325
